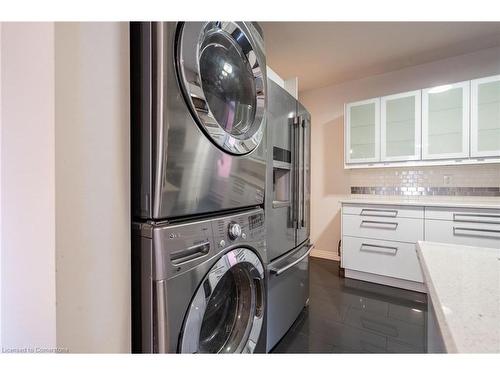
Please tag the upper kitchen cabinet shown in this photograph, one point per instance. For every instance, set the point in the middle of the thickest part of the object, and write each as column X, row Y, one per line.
column 485, row 117
column 400, row 126
column 362, row 131
column 445, row 121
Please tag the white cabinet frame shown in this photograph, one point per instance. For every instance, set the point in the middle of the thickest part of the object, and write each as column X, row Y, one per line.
column 347, row 140
column 465, row 124
column 474, row 125
column 383, row 126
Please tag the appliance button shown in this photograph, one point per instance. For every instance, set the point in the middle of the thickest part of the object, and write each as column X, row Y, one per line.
column 222, row 243
column 234, row 230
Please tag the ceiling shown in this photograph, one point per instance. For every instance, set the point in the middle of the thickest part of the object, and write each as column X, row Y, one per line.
column 326, row 53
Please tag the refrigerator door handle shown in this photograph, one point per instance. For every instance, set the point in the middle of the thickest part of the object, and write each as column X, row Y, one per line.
column 303, row 173
column 300, row 172
column 279, row 271
column 291, row 210
column 293, row 200
column 296, row 168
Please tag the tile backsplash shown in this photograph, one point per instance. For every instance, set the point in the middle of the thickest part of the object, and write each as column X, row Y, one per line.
column 432, row 180
column 459, row 190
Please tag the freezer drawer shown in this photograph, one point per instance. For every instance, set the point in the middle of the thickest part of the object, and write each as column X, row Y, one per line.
column 388, row 258
column 288, row 291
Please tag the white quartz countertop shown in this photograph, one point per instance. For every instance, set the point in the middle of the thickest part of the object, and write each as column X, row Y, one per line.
column 463, row 283
column 461, row 202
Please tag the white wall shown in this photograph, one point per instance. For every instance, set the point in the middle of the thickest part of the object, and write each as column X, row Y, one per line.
column 93, row 187
column 28, row 186
column 0, row 184
column 291, row 85
column 271, row 74
column 329, row 181
column 65, row 186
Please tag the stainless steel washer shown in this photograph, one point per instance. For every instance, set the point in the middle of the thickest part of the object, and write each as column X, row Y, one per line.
column 200, row 285
column 198, row 118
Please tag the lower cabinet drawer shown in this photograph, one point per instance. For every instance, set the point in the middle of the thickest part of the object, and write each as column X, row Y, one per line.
column 383, row 211
column 391, row 229
column 388, row 258
column 463, row 214
column 463, row 233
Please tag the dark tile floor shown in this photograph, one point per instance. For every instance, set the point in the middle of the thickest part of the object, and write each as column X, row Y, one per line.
column 351, row 316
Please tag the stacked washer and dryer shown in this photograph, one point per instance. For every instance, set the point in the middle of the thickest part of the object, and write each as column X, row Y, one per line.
column 199, row 164
column 198, row 176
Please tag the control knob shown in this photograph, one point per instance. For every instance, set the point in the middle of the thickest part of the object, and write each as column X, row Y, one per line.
column 234, row 231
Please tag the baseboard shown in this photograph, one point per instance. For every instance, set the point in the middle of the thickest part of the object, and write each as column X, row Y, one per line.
column 385, row 280
column 316, row 253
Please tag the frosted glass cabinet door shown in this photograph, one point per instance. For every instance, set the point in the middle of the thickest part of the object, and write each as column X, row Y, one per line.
column 445, row 121
column 485, row 117
column 400, row 126
column 362, row 143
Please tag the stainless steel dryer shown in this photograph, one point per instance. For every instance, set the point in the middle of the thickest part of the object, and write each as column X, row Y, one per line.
column 198, row 117
column 199, row 286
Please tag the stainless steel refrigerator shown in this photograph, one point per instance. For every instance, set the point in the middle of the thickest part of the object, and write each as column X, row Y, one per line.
column 287, row 206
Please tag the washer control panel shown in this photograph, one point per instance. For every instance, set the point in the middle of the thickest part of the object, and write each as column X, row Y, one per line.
column 234, row 230
column 182, row 246
column 246, row 227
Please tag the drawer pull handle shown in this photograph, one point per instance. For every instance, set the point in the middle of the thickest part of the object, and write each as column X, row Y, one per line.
column 394, row 225
column 491, row 231
column 389, row 250
column 278, row 272
column 190, row 253
column 487, row 219
column 373, row 212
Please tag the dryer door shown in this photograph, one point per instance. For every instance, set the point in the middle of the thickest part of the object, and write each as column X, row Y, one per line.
column 227, row 311
column 221, row 67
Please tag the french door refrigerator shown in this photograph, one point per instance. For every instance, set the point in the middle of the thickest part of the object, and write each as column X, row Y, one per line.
column 287, row 205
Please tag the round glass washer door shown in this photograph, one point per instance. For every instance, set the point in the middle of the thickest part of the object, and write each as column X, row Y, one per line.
column 220, row 71
column 227, row 311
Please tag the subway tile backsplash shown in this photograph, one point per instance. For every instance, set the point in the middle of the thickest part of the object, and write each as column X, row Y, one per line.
column 462, row 191
column 469, row 180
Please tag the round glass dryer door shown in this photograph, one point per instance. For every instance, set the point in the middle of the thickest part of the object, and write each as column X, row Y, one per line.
column 220, row 70
column 226, row 313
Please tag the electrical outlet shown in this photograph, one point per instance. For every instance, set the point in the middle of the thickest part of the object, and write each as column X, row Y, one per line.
column 447, row 179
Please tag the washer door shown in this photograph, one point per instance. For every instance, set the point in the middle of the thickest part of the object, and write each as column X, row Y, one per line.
column 221, row 72
column 227, row 311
